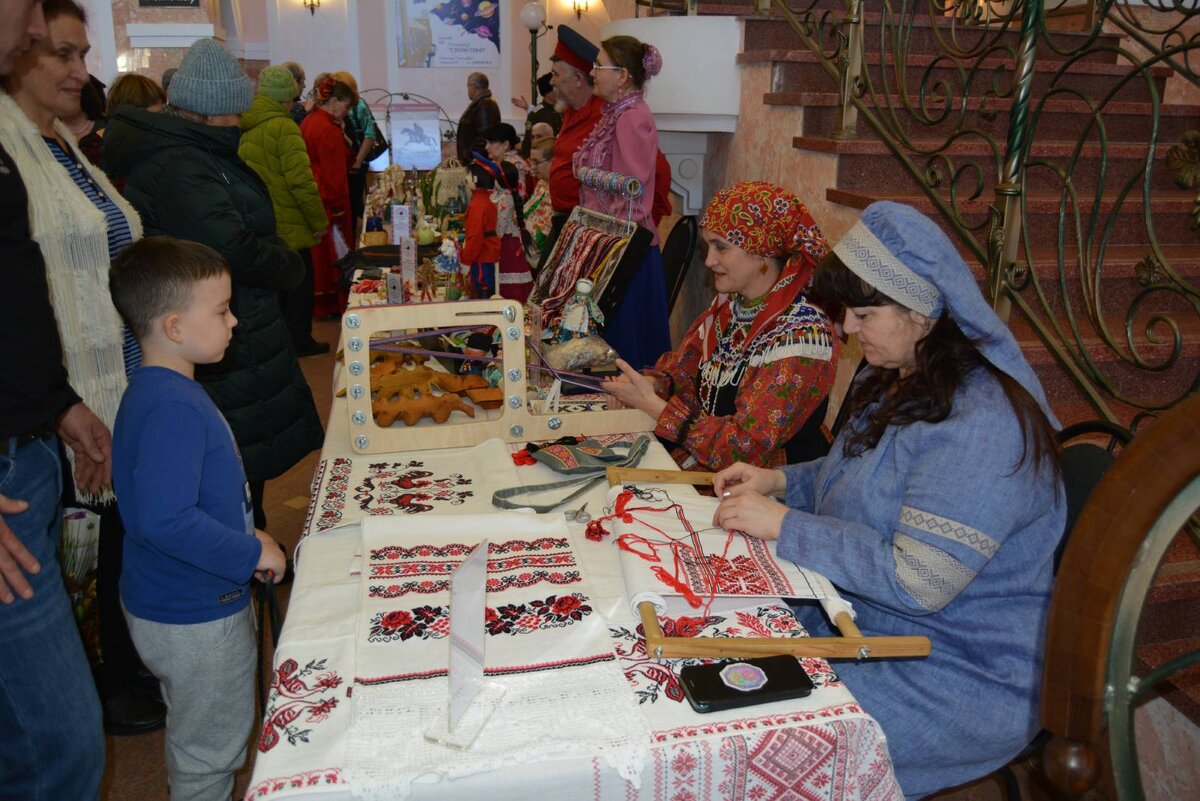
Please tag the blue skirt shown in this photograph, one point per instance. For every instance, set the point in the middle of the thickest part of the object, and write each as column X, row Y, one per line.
column 638, row 330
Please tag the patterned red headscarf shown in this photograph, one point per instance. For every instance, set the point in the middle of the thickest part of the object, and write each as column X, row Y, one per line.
column 766, row 220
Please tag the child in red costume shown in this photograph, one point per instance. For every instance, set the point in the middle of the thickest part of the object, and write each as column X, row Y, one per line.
column 481, row 248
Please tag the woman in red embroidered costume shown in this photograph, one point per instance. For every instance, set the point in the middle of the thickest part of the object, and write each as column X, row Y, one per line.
column 756, row 366
column 625, row 142
column 329, row 153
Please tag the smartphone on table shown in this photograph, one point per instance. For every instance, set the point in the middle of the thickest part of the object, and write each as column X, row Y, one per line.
column 744, row 682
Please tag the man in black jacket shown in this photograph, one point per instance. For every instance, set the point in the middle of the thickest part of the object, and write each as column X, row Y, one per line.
column 480, row 115
column 51, row 740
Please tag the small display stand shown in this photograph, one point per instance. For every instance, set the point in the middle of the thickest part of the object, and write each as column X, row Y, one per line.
column 472, row 700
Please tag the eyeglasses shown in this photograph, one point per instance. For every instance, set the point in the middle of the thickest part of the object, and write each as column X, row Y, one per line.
column 599, row 66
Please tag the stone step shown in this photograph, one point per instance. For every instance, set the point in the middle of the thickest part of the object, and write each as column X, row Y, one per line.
column 1172, row 217
column 1056, row 119
column 800, row 70
column 772, row 32
column 869, row 163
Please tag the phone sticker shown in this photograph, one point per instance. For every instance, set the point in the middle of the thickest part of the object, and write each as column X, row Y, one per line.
column 743, row 677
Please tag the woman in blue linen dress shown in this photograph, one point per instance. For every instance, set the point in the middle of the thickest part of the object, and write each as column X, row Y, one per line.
column 937, row 511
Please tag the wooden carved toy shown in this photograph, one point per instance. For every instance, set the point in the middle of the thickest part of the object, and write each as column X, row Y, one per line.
column 488, row 397
column 410, row 410
column 405, row 383
column 449, row 382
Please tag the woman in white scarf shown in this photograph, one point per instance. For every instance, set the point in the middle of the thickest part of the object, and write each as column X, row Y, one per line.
column 78, row 218
column 80, row 222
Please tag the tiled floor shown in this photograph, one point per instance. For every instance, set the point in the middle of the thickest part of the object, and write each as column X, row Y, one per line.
column 135, row 770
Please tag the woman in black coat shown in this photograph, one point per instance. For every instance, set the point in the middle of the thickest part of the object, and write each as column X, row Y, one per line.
column 183, row 175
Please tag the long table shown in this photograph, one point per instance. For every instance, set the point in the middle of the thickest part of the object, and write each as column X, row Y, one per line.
column 820, row 747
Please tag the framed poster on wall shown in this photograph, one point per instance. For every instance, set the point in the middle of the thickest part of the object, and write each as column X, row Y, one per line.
column 449, row 33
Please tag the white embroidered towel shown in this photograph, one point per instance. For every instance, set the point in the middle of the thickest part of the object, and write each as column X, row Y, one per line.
column 671, row 535
column 565, row 692
column 451, row 481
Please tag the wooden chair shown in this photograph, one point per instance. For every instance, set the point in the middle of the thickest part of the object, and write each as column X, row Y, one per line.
column 1148, row 495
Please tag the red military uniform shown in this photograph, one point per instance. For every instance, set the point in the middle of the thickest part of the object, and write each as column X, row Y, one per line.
column 577, row 124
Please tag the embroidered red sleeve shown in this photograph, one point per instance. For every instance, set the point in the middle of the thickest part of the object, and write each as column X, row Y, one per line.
column 773, row 402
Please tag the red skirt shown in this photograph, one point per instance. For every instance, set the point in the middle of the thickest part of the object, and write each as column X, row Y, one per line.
column 328, row 297
column 516, row 282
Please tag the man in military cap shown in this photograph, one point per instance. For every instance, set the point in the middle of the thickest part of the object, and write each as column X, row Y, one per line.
column 571, row 77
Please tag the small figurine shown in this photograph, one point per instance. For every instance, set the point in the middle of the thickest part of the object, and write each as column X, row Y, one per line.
column 447, row 259
column 580, row 315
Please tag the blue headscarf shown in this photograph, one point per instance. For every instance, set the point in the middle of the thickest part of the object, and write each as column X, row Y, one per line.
column 906, row 256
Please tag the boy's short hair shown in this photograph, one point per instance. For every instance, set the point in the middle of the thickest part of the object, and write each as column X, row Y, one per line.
column 155, row 276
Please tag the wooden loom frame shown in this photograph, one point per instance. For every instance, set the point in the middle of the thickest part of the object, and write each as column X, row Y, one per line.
column 851, row 645
column 516, row 422
column 589, row 218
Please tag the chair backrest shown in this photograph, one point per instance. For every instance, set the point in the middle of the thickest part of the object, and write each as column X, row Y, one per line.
column 1122, row 532
column 1084, row 462
column 677, row 254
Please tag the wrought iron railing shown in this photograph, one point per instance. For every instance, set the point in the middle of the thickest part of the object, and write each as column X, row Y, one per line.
column 969, row 95
column 1040, row 135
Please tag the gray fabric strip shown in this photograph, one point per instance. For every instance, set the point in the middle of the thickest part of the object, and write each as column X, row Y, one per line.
column 501, row 497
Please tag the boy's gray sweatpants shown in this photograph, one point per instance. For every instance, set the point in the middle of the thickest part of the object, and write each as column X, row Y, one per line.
column 207, row 675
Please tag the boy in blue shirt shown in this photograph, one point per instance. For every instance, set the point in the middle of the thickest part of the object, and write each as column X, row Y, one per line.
column 190, row 543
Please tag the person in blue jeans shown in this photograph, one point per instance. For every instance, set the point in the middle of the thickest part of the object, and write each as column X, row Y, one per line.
column 190, row 542
column 51, row 739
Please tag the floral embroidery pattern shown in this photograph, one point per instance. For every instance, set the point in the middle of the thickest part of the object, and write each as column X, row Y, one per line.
column 333, row 503
column 433, row 622
column 393, row 553
column 508, row 582
column 514, row 564
column 399, row 487
column 294, row 693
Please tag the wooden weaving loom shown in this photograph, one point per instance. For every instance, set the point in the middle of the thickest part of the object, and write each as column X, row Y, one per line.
column 851, row 645
column 514, row 421
column 612, row 277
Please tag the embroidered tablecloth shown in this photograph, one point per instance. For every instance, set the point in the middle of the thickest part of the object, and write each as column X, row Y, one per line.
column 821, row 747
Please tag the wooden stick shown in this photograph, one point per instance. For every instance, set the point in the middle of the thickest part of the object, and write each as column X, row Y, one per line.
column 846, row 625
column 849, row 647
column 639, row 475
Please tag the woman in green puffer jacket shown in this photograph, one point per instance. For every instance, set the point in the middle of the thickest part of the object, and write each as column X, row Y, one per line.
column 184, row 177
column 272, row 145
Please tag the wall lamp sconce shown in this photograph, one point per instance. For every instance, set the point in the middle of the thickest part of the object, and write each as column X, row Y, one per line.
column 580, row 7
column 312, row 6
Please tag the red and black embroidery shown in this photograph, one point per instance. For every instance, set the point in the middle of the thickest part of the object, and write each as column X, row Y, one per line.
column 393, row 553
column 333, row 503
column 500, row 584
column 433, row 622
column 391, row 487
column 294, row 693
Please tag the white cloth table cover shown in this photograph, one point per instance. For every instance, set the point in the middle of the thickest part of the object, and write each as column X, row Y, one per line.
column 821, row 747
